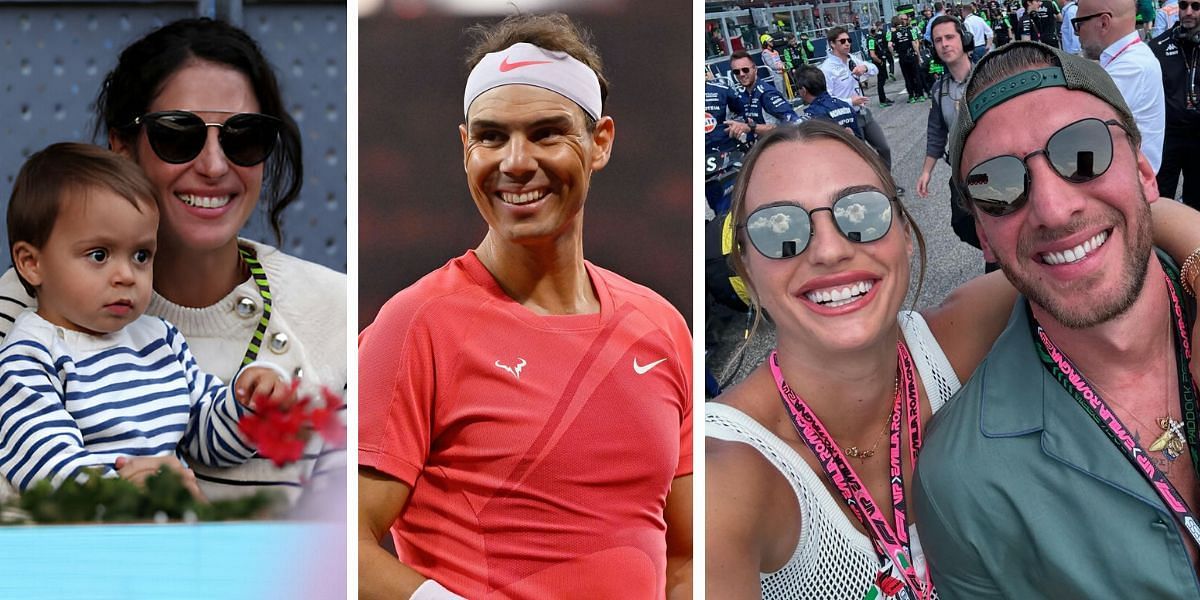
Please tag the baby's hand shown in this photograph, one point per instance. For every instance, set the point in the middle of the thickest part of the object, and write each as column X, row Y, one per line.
column 136, row 469
column 256, row 382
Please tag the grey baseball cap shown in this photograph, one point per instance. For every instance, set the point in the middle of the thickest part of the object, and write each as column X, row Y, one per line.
column 1065, row 70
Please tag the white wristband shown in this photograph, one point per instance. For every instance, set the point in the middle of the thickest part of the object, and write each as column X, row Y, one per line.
column 262, row 364
column 432, row 590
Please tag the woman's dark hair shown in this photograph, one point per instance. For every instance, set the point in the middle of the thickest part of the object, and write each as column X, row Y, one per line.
column 146, row 64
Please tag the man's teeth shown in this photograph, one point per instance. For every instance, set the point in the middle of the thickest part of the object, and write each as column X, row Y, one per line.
column 834, row 297
column 523, row 197
column 204, row 201
column 1077, row 253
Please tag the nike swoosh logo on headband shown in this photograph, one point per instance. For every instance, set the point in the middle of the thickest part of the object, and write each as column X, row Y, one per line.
column 506, row 66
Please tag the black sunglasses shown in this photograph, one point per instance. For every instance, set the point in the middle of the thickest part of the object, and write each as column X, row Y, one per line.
column 178, row 136
column 842, row 41
column 1194, row 6
column 1079, row 152
column 783, row 229
column 1077, row 21
column 743, row 70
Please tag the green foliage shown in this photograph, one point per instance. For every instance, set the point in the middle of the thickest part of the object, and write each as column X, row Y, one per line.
column 112, row 500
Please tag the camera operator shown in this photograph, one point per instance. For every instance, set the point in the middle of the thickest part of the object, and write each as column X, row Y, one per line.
column 953, row 45
column 1178, row 50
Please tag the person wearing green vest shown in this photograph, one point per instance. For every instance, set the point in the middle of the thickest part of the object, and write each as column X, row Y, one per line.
column 802, row 49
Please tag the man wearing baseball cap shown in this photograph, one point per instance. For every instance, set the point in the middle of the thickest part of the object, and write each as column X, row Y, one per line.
column 1065, row 467
column 525, row 415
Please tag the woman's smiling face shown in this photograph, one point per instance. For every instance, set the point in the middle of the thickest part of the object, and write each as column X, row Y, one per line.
column 204, row 202
column 835, row 293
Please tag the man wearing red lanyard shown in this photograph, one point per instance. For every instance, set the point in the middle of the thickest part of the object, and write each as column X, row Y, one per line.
column 1106, row 33
column 1065, row 467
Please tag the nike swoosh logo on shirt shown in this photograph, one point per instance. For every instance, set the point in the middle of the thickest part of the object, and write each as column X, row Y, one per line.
column 642, row 369
column 506, row 66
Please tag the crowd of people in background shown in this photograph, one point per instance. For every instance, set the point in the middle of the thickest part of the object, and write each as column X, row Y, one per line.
column 1150, row 53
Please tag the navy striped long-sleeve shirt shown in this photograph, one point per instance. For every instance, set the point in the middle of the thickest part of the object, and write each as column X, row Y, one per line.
column 69, row 400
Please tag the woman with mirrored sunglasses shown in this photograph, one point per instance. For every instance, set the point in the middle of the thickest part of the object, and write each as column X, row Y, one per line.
column 801, row 456
column 196, row 105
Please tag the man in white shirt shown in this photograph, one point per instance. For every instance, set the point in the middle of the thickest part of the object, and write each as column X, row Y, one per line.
column 842, row 82
column 1070, row 41
column 979, row 30
column 1106, row 33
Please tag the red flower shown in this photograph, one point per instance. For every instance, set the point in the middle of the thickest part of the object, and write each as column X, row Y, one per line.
column 325, row 421
column 280, row 430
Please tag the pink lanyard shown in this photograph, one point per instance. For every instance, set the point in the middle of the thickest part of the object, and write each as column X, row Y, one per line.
column 1068, row 375
column 891, row 544
column 1121, row 51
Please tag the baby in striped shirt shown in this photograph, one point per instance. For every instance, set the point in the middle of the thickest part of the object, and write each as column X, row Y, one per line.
column 87, row 380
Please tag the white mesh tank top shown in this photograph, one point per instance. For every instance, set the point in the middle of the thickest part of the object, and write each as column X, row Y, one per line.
column 832, row 560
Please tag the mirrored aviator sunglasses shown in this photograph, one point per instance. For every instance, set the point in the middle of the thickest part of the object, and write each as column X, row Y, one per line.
column 1079, row 152
column 178, row 136
column 783, row 229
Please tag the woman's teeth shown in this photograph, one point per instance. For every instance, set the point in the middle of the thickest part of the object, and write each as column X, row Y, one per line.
column 523, row 197
column 204, row 201
column 1077, row 253
column 840, row 296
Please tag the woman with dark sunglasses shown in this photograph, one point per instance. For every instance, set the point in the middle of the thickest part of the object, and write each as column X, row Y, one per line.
column 196, row 105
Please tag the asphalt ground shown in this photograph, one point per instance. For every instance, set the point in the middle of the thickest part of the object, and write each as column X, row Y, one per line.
column 950, row 262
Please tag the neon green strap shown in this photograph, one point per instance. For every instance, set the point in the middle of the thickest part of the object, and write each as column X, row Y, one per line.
column 264, row 290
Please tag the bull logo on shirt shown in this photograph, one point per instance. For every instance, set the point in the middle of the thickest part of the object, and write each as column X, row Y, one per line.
column 516, row 371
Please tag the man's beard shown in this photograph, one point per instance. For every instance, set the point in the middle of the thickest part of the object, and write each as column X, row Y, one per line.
column 1083, row 311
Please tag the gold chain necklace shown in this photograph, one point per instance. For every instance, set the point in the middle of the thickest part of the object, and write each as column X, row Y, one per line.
column 863, row 455
column 1171, row 442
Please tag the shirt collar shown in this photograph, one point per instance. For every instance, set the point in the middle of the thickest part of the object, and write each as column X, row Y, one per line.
column 832, row 56
column 1116, row 47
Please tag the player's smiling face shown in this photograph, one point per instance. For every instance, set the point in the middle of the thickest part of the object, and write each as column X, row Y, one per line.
column 529, row 159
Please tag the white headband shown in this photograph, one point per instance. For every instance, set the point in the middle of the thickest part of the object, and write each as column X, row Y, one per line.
column 527, row 64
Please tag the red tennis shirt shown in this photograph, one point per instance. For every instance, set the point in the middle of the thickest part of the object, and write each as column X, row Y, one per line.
column 539, row 449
